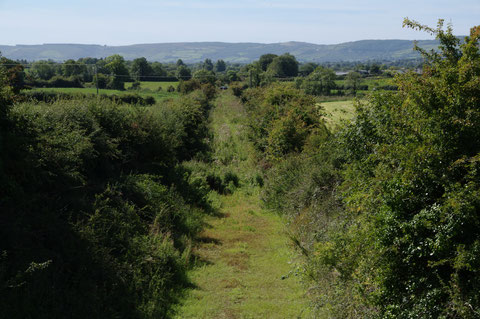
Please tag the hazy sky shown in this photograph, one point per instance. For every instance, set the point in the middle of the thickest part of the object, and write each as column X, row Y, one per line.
column 119, row 22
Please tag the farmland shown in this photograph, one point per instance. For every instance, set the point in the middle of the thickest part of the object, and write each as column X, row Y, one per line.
column 274, row 189
column 146, row 89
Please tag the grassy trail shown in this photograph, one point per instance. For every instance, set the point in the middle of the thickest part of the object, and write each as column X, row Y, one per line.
column 244, row 267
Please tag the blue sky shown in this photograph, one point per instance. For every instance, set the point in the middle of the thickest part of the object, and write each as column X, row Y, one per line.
column 122, row 22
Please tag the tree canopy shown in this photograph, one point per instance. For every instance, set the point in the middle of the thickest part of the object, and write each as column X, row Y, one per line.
column 285, row 65
column 141, row 69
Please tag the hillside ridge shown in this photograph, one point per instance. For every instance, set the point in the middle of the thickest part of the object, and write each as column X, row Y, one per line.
column 246, row 52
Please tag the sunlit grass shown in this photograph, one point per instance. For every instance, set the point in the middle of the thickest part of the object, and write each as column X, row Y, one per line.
column 158, row 95
column 245, row 265
column 338, row 111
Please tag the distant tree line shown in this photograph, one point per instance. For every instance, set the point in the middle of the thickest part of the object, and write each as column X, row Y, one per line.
column 112, row 72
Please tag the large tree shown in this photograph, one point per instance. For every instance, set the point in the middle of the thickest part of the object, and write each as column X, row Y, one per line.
column 319, row 82
column 71, row 67
column 220, row 66
column 13, row 73
column 265, row 60
column 141, row 69
column 158, row 70
column 352, row 81
column 44, row 70
column 285, row 65
column 118, row 72
column 208, row 65
column 183, row 73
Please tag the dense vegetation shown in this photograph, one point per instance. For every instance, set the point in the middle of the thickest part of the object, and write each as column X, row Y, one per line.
column 103, row 198
column 98, row 211
column 385, row 209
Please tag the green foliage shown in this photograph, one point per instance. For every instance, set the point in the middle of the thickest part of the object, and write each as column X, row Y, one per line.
column 97, row 214
column 14, row 73
column 281, row 119
column 115, row 64
column 386, row 213
column 100, row 80
column 418, row 183
column 141, row 69
column 208, row 65
column 43, row 70
column 220, row 66
column 183, row 73
column 320, row 82
column 353, row 81
column 307, row 68
column 50, row 97
column 72, row 68
column 265, row 60
column 283, row 66
column 58, row 81
column 205, row 76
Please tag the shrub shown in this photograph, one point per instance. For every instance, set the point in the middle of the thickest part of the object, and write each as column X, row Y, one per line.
column 97, row 218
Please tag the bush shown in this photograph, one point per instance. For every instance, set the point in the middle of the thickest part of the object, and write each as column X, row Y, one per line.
column 97, row 218
column 135, row 86
column 51, row 97
column 388, row 215
column 58, row 82
column 281, row 119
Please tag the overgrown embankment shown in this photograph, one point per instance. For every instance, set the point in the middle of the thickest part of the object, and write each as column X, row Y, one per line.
column 97, row 210
column 386, row 208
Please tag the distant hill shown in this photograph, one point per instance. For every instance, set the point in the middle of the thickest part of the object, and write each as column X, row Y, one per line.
column 192, row 52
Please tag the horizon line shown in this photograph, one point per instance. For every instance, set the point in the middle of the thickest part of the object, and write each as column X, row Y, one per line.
column 223, row 42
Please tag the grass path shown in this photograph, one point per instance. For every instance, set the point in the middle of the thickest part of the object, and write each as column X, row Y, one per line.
column 244, row 267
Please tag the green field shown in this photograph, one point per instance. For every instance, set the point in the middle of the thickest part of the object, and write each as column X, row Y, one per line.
column 338, row 111
column 372, row 82
column 158, row 95
column 153, row 86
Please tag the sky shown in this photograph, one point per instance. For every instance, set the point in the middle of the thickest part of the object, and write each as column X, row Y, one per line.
column 122, row 22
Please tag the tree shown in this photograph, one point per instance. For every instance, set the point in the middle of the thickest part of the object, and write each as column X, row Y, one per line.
column 220, row 66
column 100, row 80
column 13, row 73
column 307, row 68
column 412, row 189
column 204, row 76
column 44, row 70
column 141, row 69
column 265, row 60
column 352, row 81
column 72, row 68
column 208, row 65
column 118, row 71
column 184, row 73
column 375, row 69
column 283, row 66
column 158, row 70
column 320, row 82
column 232, row 76
column 180, row 62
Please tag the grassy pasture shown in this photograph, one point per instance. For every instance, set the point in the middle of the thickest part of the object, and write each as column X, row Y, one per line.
column 153, row 85
column 158, row 95
column 372, row 82
column 338, row 111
